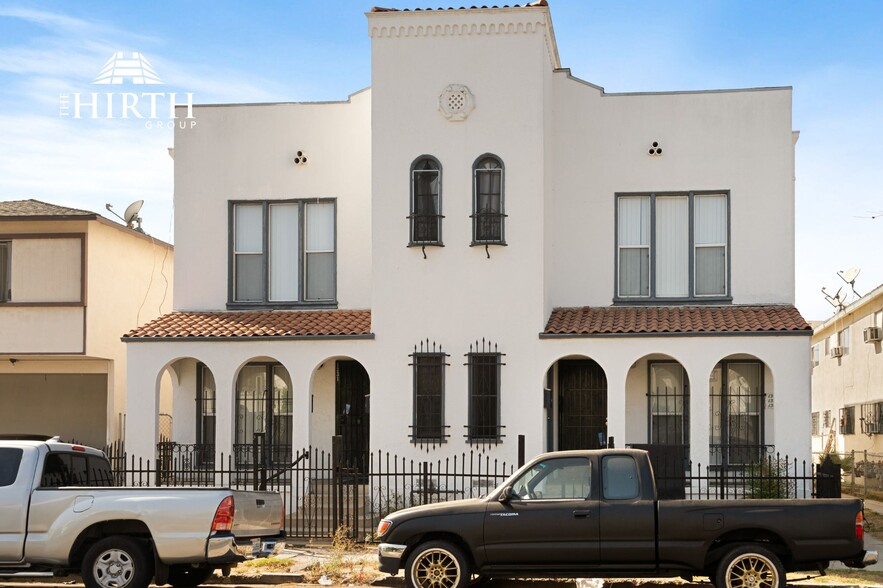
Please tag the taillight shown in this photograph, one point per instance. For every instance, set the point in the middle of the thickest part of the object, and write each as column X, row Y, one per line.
column 224, row 516
column 860, row 526
column 383, row 527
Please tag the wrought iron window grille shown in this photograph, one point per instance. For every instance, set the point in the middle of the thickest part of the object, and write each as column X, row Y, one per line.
column 428, row 362
column 483, row 363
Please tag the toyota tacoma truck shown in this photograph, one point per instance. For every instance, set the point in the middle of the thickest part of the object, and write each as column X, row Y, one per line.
column 60, row 513
column 596, row 514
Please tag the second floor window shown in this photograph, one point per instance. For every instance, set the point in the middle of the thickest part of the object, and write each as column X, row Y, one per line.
column 283, row 252
column 5, row 271
column 672, row 246
column 488, row 214
column 425, row 217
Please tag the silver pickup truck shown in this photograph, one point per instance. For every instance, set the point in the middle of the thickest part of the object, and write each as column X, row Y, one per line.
column 60, row 513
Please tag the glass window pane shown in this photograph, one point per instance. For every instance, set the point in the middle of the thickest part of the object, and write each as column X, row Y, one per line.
column 284, row 238
column 634, row 272
column 249, row 228
column 619, row 477
column 320, row 276
column 249, row 271
column 672, row 246
column 320, row 226
column 10, row 461
column 710, row 218
column 711, row 271
column 634, row 220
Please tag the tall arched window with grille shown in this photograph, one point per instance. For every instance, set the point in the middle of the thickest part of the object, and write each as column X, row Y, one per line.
column 426, row 212
column 488, row 211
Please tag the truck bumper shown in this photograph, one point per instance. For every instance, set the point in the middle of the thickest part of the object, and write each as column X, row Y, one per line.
column 390, row 555
column 868, row 559
column 225, row 549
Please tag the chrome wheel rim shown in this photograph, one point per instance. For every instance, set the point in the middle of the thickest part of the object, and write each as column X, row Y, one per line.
column 114, row 568
column 436, row 568
column 752, row 570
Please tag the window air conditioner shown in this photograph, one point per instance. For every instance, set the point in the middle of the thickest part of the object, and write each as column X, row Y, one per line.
column 837, row 351
column 872, row 334
column 872, row 428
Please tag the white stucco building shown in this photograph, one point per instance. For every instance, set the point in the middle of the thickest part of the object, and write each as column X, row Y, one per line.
column 476, row 249
column 847, row 379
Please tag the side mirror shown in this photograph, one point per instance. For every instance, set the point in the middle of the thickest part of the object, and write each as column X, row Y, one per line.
column 507, row 494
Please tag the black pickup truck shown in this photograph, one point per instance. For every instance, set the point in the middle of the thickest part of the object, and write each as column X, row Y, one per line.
column 595, row 514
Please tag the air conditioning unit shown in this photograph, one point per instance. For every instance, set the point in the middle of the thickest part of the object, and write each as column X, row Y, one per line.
column 837, row 351
column 873, row 334
column 872, row 428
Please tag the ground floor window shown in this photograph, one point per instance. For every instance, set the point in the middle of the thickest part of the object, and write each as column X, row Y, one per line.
column 206, row 405
column 483, row 364
column 263, row 414
column 736, row 389
column 669, row 400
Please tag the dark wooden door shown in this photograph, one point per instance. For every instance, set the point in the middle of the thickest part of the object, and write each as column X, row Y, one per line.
column 352, row 394
column 582, row 405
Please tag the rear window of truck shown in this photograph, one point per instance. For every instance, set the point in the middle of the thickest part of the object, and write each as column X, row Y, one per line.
column 10, row 460
column 66, row 469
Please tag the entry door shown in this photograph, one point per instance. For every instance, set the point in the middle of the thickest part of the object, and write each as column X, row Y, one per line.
column 15, row 484
column 582, row 405
column 352, row 395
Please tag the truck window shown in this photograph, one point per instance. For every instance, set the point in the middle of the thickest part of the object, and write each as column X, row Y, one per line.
column 620, row 477
column 100, row 473
column 56, row 472
column 65, row 469
column 562, row 479
column 10, row 460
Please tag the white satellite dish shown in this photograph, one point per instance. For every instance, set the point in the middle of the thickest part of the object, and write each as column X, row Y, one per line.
column 849, row 277
column 130, row 217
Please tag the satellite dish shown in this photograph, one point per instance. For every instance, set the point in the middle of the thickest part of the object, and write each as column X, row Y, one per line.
column 131, row 214
column 130, row 217
column 849, row 277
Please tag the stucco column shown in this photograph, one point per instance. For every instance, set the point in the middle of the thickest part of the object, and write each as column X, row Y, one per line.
column 143, row 379
column 301, row 397
column 225, row 410
column 789, row 400
column 616, row 396
column 700, row 404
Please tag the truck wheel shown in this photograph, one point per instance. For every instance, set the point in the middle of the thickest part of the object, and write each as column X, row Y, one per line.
column 750, row 566
column 188, row 576
column 117, row 562
column 437, row 564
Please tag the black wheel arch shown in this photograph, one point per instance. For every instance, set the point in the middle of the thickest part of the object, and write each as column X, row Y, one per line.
column 128, row 527
column 452, row 538
column 760, row 537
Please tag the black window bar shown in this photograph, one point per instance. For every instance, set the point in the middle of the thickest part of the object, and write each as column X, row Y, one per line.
column 428, row 362
column 483, row 364
column 872, row 418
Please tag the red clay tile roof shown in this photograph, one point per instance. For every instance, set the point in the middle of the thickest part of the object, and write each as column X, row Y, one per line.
column 621, row 320
column 26, row 208
column 537, row 3
column 267, row 323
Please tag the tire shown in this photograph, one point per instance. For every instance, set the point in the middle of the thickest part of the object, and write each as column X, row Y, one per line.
column 117, row 562
column 437, row 564
column 750, row 566
column 188, row 576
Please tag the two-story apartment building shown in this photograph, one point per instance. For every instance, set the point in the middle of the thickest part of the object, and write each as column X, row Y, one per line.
column 70, row 283
column 847, row 378
column 481, row 246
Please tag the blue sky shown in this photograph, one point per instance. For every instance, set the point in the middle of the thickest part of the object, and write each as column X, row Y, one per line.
column 829, row 52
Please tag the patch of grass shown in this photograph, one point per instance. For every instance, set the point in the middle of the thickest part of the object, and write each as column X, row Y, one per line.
column 341, row 569
column 267, row 564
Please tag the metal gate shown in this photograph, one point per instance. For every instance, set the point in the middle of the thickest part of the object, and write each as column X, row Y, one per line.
column 352, row 397
column 582, row 405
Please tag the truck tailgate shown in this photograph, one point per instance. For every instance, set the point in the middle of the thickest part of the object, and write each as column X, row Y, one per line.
column 258, row 514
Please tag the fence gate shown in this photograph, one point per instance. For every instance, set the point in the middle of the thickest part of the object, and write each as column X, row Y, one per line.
column 352, row 395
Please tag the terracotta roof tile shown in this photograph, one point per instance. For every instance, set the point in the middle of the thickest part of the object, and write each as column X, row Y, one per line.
column 621, row 320
column 537, row 3
column 25, row 208
column 247, row 324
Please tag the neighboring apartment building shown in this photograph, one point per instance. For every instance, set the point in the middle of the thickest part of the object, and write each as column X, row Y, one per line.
column 847, row 378
column 70, row 283
column 475, row 249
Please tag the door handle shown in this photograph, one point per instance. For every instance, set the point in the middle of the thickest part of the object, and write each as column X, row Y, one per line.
column 582, row 514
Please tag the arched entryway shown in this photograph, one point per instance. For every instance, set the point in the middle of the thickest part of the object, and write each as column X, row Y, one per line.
column 738, row 405
column 579, row 404
column 341, row 407
column 263, row 426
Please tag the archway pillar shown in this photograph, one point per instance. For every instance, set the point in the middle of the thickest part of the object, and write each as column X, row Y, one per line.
column 616, row 402
column 225, row 410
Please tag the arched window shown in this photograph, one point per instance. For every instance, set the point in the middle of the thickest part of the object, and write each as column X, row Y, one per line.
column 488, row 213
column 426, row 213
column 264, row 409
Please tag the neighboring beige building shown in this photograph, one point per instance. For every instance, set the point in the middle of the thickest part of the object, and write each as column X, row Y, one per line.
column 847, row 378
column 71, row 282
